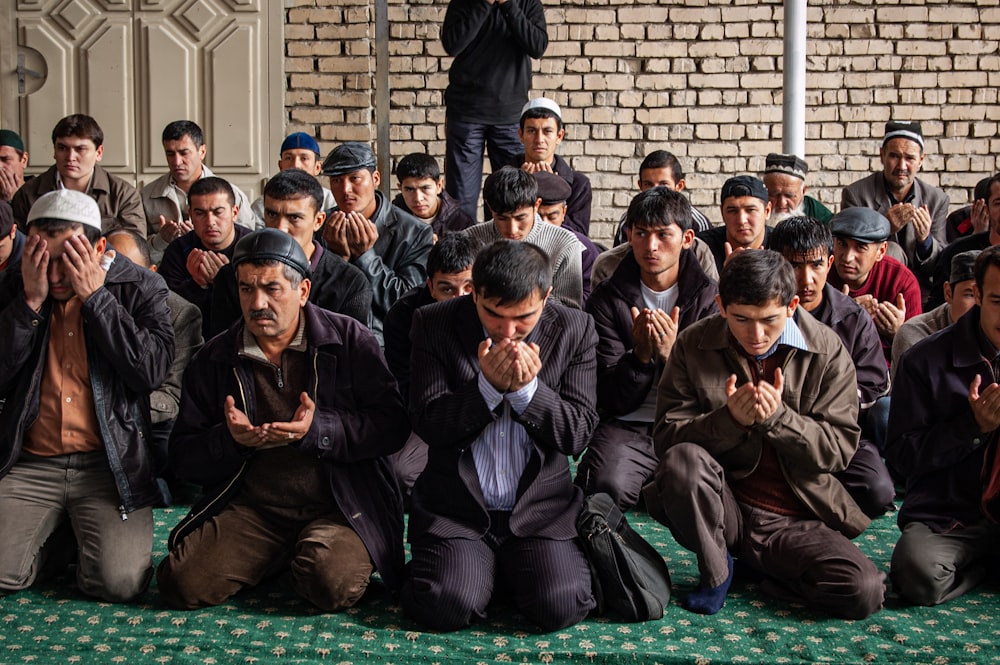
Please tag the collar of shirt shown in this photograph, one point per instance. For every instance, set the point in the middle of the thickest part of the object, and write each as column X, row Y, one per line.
column 790, row 336
column 249, row 348
column 61, row 185
column 910, row 196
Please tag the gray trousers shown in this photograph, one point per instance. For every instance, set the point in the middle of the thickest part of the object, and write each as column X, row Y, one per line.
column 929, row 568
column 801, row 559
column 39, row 494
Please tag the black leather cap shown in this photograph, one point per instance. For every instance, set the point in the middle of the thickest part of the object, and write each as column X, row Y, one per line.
column 348, row 158
column 271, row 245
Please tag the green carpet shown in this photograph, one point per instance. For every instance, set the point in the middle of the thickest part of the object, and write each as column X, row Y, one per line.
column 55, row 624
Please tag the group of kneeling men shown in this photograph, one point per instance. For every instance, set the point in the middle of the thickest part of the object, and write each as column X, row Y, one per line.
column 733, row 409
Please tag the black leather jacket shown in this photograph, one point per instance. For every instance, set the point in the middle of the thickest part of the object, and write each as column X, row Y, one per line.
column 130, row 346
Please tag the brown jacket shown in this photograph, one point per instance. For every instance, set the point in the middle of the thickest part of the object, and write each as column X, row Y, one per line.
column 814, row 433
column 119, row 202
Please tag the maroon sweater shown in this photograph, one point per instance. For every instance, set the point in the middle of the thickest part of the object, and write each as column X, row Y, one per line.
column 887, row 279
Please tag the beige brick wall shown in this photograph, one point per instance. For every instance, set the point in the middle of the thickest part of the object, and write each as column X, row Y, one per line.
column 700, row 78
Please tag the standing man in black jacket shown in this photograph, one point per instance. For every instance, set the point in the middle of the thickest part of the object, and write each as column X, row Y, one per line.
column 87, row 337
column 493, row 42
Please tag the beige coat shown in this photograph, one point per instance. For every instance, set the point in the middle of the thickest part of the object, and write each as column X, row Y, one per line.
column 162, row 197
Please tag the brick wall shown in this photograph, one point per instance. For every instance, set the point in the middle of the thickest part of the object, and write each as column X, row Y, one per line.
column 700, row 78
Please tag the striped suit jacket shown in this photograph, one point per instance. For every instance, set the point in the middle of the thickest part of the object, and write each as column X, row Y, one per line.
column 448, row 412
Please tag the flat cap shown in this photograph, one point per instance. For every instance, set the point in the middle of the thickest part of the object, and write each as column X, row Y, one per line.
column 788, row 164
column 962, row 266
column 11, row 138
column 67, row 205
column 861, row 224
column 542, row 103
column 348, row 158
column 552, row 188
column 903, row 130
column 299, row 141
column 744, row 185
column 271, row 245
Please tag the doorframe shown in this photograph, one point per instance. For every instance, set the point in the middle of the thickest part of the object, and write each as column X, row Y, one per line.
column 9, row 115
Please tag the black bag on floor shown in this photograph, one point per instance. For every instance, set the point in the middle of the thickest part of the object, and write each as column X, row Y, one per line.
column 629, row 577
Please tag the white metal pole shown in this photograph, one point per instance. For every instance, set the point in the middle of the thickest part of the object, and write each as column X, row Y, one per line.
column 794, row 79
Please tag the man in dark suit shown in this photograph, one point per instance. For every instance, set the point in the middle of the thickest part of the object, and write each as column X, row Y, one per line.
column 502, row 390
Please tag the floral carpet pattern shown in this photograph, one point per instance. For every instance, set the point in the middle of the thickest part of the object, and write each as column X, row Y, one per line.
column 53, row 623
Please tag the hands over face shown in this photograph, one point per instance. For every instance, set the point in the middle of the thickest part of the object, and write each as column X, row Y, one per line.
column 10, row 182
column 349, row 234
column 35, row 271
column 509, row 365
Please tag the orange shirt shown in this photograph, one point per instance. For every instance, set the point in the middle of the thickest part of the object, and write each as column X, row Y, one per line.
column 67, row 421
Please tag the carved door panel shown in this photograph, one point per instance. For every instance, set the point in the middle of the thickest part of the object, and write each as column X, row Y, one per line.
column 136, row 65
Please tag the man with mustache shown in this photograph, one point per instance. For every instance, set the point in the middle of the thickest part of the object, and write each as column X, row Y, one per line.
column 917, row 212
column 286, row 421
column 879, row 283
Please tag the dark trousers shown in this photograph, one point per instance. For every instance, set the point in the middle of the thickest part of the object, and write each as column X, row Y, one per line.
column 452, row 579
column 463, row 171
column 241, row 546
column 619, row 460
column 929, row 568
column 867, row 480
column 801, row 559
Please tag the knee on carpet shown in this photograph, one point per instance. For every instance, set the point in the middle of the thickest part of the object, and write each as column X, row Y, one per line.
column 877, row 498
column 183, row 591
column 553, row 609
column 441, row 609
column 868, row 596
column 331, row 588
column 115, row 586
column 919, row 579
